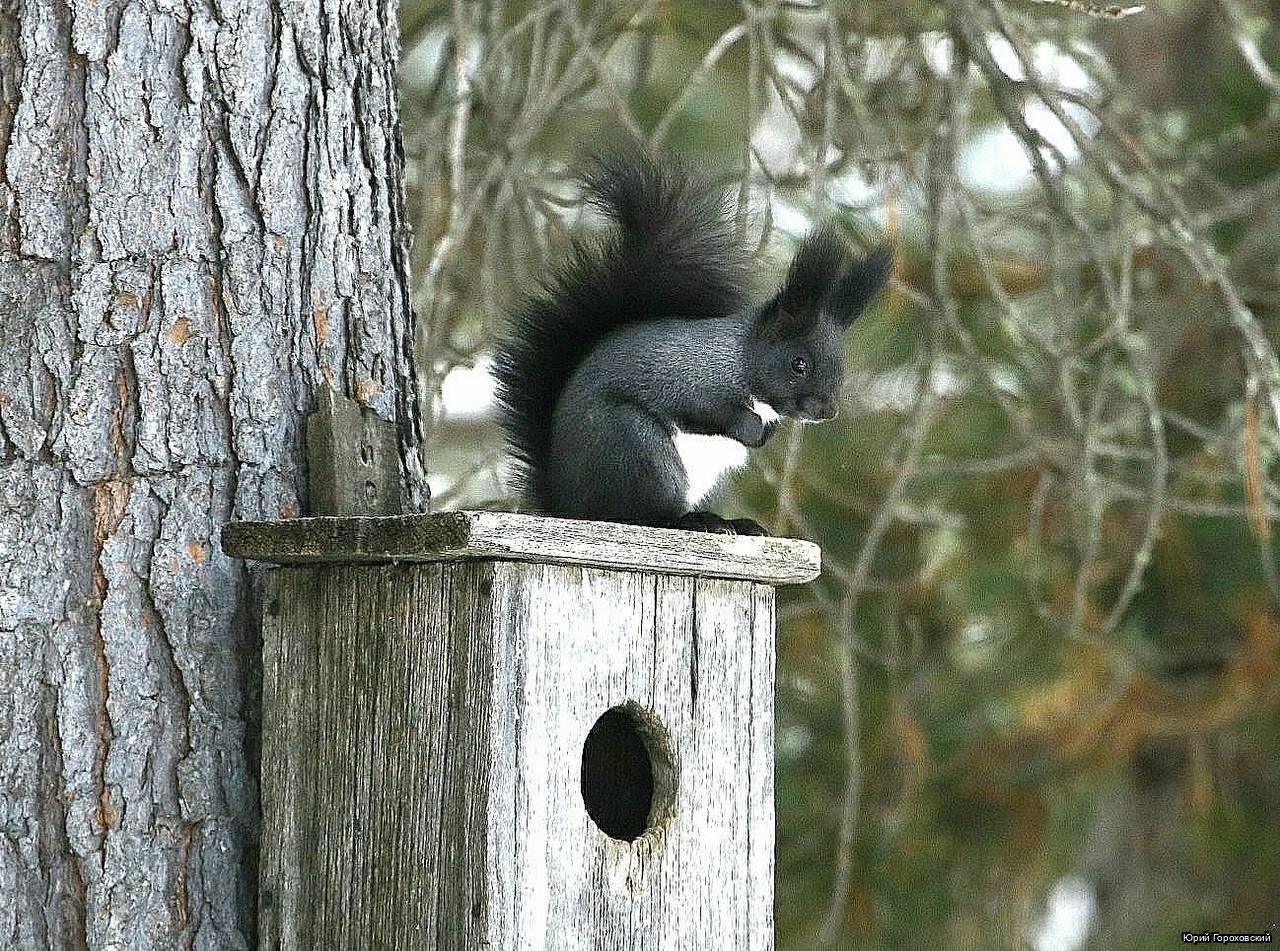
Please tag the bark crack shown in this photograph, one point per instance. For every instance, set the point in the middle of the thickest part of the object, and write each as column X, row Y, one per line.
column 64, row 914
column 693, row 646
column 109, row 502
column 11, row 98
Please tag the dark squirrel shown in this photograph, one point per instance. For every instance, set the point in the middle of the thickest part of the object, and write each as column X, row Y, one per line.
column 643, row 372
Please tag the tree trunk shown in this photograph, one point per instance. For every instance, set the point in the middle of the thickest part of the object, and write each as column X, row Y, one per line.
column 200, row 224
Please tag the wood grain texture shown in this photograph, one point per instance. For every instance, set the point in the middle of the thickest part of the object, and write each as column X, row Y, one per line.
column 489, row 535
column 353, row 467
column 423, row 733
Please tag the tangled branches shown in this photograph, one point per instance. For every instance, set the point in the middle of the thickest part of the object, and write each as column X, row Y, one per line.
column 1077, row 362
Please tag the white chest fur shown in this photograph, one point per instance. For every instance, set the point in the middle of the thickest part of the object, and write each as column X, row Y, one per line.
column 706, row 459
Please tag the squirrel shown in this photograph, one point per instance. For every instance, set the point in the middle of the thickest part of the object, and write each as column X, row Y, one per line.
column 642, row 372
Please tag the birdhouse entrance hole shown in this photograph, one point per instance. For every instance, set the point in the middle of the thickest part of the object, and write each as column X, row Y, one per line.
column 628, row 775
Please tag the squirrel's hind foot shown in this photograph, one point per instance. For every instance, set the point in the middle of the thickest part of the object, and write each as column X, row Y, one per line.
column 711, row 522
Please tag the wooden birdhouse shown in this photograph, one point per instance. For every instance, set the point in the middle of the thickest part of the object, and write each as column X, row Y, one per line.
column 486, row 730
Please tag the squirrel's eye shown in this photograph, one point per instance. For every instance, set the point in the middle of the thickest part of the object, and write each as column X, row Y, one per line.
column 800, row 365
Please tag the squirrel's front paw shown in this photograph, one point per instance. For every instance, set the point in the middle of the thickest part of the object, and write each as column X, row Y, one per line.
column 748, row 429
column 748, row 526
column 769, row 429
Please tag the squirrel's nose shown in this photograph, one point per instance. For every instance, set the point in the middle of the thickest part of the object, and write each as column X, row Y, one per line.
column 818, row 409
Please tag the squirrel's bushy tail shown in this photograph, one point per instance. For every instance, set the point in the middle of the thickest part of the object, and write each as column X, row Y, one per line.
column 671, row 252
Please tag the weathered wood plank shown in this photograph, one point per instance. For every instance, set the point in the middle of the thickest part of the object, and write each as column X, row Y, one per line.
column 759, row 772
column 451, row 536
column 375, row 710
column 352, row 462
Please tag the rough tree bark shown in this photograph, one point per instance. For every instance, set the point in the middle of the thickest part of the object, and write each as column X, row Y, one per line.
column 200, row 223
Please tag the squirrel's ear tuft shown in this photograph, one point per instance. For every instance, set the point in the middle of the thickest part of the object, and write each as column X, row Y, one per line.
column 825, row 278
column 860, row 283
column 778, row 320
column 818, row 264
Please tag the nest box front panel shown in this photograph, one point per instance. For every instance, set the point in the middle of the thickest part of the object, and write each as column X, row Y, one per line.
column 632, row 744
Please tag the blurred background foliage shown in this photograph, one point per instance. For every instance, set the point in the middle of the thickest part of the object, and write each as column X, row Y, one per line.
column 1033, row 700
